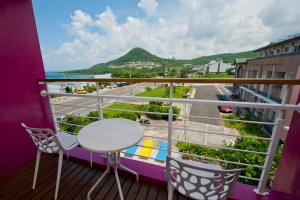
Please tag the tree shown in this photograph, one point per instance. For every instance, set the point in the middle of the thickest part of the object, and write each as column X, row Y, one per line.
column 68, row 89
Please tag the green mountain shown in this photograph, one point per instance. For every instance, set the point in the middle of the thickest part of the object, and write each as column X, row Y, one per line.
column 139, row 54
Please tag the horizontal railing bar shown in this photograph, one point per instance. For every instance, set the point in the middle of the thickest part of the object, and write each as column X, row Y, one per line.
column 226, row 148
column 190, row 101
column 55, row 113
column 134, row 154
column 251, row 178
column 219, row 160
column 180, row 80
column 136, row 111
column 60, row 122
column 73, row 106
column 159, row 138
column 229, row 135
column 232, row 120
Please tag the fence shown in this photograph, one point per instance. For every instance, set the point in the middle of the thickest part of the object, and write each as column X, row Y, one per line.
column 100, row 107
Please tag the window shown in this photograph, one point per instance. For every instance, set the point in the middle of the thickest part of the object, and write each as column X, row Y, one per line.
column 286, row 49
column 278, row 51
column 297, row 49
column 271, row 53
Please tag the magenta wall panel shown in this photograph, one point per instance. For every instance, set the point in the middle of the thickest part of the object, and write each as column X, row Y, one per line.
column 287, row 179
column 21, row 65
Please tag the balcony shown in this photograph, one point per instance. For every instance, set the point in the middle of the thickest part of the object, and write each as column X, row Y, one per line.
column 169, row 132
column 26, row 99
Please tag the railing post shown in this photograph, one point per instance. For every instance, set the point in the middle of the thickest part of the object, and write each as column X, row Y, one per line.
column 99, row 102
column 170, row 120
column 185, row 121
column 270, row 156
column 44, row 93
column 276, row 132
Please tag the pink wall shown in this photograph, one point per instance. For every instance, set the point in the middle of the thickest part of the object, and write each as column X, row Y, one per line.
column 21, row 65
column 287, row 177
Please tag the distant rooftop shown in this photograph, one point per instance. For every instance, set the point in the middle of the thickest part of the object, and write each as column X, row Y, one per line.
column 281, row 41
column 240, row 60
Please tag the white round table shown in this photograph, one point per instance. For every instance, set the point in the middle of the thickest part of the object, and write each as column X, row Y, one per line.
column 110, row 136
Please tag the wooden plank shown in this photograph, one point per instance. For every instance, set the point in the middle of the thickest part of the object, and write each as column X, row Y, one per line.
column 153, row 193
column 24, row 185
column 65, row 183
column 26, row 174
column 90, row 183
column 80, row 185
column 133, row 191
column 50, row 182
column 143, row 192
column 163, row 194
column 114, row 192
column 125, row 188
column 181, row 80
column 104, row 189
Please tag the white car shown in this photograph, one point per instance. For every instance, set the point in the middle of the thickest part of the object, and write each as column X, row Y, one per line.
column 112, row 86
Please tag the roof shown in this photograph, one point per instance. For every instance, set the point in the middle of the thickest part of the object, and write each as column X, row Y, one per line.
column 281, row 41
column 240, row 60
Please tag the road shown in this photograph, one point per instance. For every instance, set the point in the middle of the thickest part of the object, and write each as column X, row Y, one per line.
column 208, row 92
column 83, row 102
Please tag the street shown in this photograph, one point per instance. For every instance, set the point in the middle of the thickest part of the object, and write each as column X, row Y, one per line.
column 92, row 102
column 208, row 92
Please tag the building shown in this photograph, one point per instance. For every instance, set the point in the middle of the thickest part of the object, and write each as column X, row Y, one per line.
column 218, row 66
column 279, row 60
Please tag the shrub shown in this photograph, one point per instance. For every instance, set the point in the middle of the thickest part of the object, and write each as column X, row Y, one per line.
column 68, row 89
column 90, row 89
column 235, row 156
column 148, row 88
column 160, row 109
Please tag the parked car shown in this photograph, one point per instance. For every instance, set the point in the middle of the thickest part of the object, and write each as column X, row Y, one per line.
column 222, row 97
column 224, row 109
column 112, row 86
column 80, row 91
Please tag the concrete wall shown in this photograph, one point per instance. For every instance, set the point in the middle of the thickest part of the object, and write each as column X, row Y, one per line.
column 21, row 66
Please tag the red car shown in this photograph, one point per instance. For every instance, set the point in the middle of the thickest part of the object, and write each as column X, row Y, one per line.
column 225, row 109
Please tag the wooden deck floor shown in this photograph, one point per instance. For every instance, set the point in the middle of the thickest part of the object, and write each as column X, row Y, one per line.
column 76, row 180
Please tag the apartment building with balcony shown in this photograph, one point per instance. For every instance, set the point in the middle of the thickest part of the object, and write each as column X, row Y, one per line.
column 279, row 60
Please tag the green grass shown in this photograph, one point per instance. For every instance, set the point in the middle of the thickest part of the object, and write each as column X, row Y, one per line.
column 212, row 75
column 163, row 92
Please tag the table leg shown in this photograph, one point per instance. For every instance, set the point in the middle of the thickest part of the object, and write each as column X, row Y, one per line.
column 130, row 170
column 118, row 183
column 98, row 181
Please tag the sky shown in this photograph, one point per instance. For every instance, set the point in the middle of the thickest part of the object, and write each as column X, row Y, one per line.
column 76, row 34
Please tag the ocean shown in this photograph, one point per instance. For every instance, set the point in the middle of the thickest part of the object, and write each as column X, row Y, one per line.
column 53, row 75
column 57, row 87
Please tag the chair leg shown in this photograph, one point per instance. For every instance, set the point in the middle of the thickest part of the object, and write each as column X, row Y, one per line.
column 170, row 191
column 60, row 161
column 36, row 169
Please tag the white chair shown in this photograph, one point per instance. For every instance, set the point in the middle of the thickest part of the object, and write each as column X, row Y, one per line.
column 47, row 141
column 199, row 180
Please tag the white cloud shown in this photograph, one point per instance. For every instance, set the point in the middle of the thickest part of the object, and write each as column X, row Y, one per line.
column 149, row 6
column 190, row 29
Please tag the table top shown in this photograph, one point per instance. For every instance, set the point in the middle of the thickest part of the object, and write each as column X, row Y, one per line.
column 109, row 135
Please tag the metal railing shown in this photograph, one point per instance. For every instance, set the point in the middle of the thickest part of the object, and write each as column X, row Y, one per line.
column 273, row 140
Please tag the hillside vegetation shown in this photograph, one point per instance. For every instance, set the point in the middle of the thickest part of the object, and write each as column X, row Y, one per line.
column 139, row 54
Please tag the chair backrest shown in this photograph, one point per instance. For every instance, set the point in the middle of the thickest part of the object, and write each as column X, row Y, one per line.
column 44, row 139
column 200, row 182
